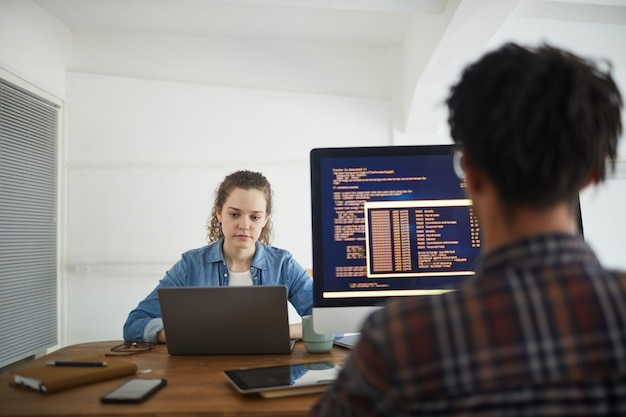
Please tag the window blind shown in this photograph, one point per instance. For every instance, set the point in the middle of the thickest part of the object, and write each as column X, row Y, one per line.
column 29, row 127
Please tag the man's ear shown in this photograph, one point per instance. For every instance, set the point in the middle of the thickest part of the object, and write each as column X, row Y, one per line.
column 474, row 178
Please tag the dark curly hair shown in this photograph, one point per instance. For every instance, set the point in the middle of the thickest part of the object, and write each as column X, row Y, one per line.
column 539, row 122
column 246, row 180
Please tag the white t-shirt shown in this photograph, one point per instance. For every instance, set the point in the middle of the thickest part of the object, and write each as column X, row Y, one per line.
column 240, row 279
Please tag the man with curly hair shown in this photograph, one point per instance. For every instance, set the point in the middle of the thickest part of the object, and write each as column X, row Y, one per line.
column 540, row 330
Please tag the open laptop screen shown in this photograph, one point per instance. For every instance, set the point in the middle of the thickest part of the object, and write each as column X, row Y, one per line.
column 225, row 320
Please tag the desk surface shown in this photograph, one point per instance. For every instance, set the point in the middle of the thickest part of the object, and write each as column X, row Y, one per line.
column 196, row 386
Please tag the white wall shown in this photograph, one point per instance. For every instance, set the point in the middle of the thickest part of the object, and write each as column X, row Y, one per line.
column 34, row 46
column 144, row 158
column 346, row 69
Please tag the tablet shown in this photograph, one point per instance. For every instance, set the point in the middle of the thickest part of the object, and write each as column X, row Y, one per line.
column 283, row 380
column 348, row 341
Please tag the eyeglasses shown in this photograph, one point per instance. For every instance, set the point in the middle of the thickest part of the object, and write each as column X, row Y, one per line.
column 130, row 348
column 458, row 163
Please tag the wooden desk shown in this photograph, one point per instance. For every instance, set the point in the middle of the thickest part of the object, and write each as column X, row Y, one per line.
column 196, row 386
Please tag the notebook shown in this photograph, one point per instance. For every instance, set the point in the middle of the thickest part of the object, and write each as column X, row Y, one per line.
column 225, row 320
column 49, row 379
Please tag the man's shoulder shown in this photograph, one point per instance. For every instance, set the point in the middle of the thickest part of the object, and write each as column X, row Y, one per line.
column 618, row 275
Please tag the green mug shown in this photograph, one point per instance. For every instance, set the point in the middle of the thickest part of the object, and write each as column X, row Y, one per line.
column 315, row 342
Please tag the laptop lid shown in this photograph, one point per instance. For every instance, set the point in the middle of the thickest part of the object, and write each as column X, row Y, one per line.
column 225, row 320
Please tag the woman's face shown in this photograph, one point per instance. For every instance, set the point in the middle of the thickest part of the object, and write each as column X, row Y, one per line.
column 243, row 217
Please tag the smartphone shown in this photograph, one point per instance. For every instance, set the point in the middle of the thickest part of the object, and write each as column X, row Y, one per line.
column 134, row 390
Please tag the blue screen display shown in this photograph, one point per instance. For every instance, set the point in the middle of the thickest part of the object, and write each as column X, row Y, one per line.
column 389, row 221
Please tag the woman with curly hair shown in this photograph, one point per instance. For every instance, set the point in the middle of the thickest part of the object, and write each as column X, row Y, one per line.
column 238, row 253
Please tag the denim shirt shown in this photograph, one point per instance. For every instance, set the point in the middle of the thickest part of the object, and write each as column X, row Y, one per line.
column 206, row 267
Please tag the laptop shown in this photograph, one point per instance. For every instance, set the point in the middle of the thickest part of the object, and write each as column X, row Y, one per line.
column 225, row 320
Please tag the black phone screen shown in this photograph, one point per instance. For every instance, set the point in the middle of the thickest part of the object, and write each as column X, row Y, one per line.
column 134, row 390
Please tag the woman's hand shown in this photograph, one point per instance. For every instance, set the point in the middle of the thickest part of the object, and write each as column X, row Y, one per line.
column 295, row 331
column 161, row 336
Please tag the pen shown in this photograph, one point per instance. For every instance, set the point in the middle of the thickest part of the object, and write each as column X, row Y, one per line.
column 77, row 363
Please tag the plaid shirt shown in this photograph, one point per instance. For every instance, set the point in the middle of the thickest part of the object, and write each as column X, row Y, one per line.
column 539, row 331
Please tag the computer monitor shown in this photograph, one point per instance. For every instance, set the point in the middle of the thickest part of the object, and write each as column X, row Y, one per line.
column 387, row 222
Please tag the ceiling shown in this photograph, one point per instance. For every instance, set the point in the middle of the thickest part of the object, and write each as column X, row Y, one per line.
column 369, row 21
column 462, row 28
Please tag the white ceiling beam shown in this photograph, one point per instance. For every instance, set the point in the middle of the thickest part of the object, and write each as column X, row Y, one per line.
column 471, row 24
column 608, row 12
column 396, row 6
